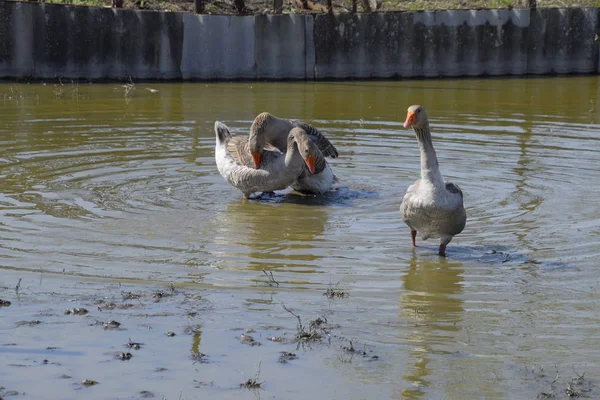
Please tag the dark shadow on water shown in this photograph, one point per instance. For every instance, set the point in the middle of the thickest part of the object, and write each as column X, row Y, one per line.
column 338, row 197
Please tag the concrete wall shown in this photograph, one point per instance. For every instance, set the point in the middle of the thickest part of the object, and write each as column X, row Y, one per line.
column 49, row 41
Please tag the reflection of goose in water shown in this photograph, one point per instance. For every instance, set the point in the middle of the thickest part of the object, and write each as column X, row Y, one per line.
column 431, row 300
column 268, row 236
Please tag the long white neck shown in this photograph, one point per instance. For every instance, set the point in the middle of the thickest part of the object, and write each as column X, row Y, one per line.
column 430, row 169
column 293, row 159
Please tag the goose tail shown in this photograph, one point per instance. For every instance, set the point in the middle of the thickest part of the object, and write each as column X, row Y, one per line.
column 222, row 132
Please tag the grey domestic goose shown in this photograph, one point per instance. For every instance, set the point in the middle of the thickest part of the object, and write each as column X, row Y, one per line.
column 269, row 130
column 276, row 172
column 431, row 205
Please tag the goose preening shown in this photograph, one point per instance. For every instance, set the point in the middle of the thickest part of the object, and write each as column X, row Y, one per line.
column 276, row 170
column 269, row 129
column 431, row 205
column 317, row 177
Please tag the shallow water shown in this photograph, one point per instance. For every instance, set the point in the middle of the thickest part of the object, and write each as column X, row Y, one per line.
column 99, row 187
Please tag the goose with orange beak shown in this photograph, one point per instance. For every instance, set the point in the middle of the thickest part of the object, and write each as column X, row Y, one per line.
column 319, row 178
column 276, row 170
column 267, row 131
column 431, row 205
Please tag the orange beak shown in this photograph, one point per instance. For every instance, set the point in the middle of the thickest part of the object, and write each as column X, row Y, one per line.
column 310, row 163
column 411, row 119
column 256, row 159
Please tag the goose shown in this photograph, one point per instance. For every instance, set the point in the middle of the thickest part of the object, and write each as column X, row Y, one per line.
column 269, row 129
column 316, row 180
column 319, row 181
column 277, row 170
column 431, row 205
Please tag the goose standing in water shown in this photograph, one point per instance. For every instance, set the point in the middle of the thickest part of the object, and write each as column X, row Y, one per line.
column 431, row 205
column 268, row 129
column 277, row 170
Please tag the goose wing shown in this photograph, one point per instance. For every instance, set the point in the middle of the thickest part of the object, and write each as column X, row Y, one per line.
column 238, row 148
column 326, row 147
column 452, row 188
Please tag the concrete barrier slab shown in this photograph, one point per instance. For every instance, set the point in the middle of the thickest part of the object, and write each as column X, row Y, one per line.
column 218, row 47
column 563, row 41
column 280, row 45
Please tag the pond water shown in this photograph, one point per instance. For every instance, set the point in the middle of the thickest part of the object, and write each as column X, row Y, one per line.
column 107, row 189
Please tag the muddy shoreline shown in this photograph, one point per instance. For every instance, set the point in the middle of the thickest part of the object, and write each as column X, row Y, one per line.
column 72, row 336
column 134, row 341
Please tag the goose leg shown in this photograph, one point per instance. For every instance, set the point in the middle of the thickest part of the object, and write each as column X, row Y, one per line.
column 413, row 236
column 443, row 243
column 442, row 250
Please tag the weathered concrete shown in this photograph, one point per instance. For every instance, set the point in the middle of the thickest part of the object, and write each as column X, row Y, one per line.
column 218, row 47
column 280, row 46
column 421, row 44
column 563, row 41
column 48, row 41
column 51, row 40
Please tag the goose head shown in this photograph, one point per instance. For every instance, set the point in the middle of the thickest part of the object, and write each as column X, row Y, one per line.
column 298, row 138
column 256, row 143
column 415, row 117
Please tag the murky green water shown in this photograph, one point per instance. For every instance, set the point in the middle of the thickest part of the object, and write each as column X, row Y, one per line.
column 98, row 188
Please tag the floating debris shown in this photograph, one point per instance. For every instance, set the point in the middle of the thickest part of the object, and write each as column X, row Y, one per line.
column 199, row 357
column 286, row 356
column 89, row 382
column 170, row 334
column 28, row 323
column 333, row 293
column 123, row 356
column 317, row 328
column 103, row 305
column 76, row 311
column 270, row 278
column 130, row 295
column 253, row 383
column 146, row 394
column 4, row 303
column 133, row 345
column 111, row 324
column 249, row 340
